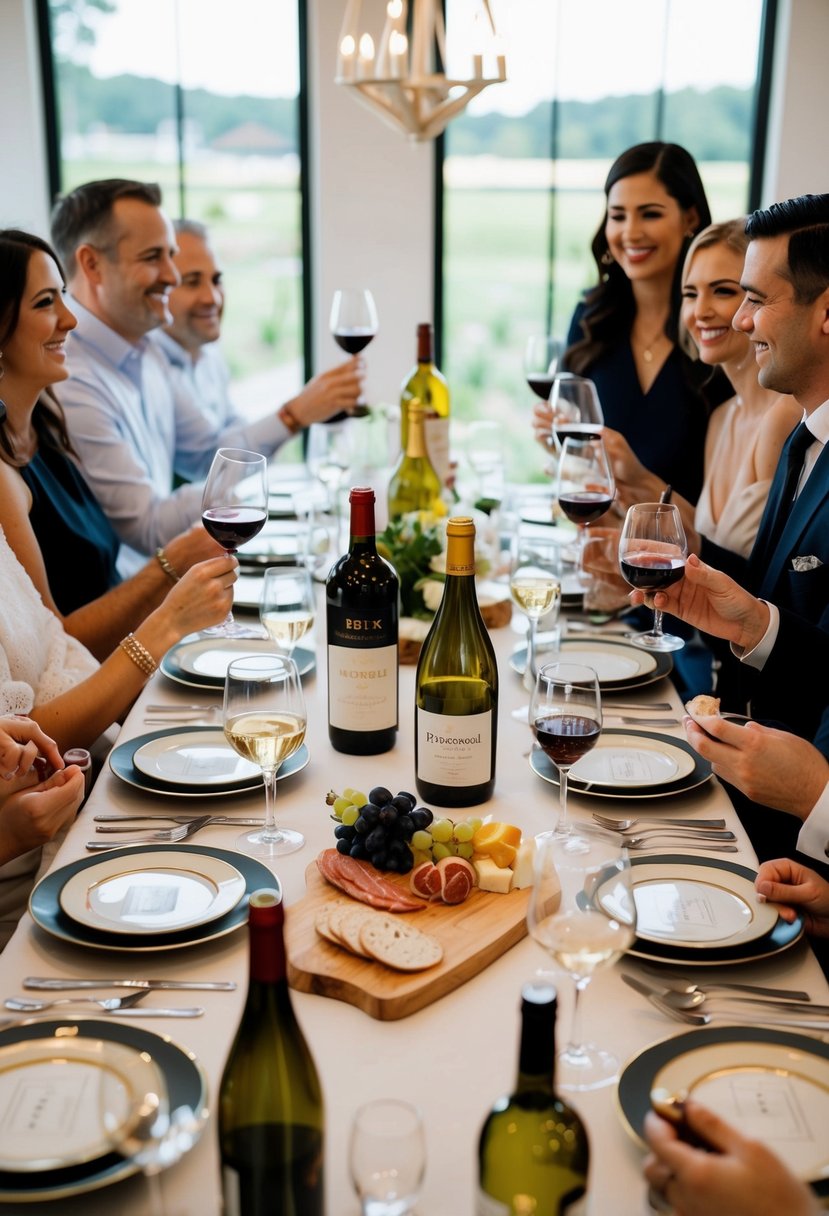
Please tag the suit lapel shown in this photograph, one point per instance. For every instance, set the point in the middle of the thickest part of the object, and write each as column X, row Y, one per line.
column 802, row 514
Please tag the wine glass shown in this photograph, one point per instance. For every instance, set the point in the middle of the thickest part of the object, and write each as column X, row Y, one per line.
column 330, row 454
column 286, row 607
column 264, row 720
column 485, row 453
column 583, row 913
column 566, row 719
column 576, row 409
column 387, row 1157
column 652, row 553
column 542, row 356
column 585, row 486
column 353, row 325
column 535, row 586
column 234, row 508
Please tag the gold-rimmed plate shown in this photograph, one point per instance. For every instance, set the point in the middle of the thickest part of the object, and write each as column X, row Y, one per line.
column 618, row 664
column 194, row 758
column 635, row 752
column 202, row 662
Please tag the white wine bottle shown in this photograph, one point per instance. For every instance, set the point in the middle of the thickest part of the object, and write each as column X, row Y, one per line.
column 414, row 485
column 271, row 1123
column 456, row 688
column 362, row 608
column 533, row 1152
column 428, row 386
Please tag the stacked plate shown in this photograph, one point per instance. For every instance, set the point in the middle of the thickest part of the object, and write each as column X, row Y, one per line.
column 192, row 762
column 618, row 664
column 148, row 897
column 54, row 1142
column 202, row 662
column 773, row 1085
column 630, row 764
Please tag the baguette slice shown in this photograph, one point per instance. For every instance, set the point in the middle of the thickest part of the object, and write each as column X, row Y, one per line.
column 703, row 706
column 399, row 944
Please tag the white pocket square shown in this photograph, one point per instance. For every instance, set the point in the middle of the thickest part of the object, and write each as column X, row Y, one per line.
column 801, row 564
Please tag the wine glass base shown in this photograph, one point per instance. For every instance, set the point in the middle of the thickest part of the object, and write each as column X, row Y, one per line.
column 587, row 1067
column 256, row 844
column 657, row 641
column 230, row 629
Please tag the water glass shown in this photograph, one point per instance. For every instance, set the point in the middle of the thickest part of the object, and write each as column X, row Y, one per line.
column 387, row 1157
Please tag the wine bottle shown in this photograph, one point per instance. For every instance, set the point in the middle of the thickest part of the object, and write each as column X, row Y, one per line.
column 456, row 688
column 362, row 595
column 426, row 385
column 414, row 485
column 533, row 1152
column 270, row 1103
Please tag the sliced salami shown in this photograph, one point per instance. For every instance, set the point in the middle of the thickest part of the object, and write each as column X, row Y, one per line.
column 361, row 881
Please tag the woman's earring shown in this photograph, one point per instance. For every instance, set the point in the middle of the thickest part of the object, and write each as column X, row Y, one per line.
column 607, row 258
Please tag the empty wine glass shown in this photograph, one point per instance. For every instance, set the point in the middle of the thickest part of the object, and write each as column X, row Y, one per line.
column 353, row 325
column 485, row 453
column 330, row 455
column 535, row 585
column 585, row 486
column 264, row 720
column 576, row 409
column 566, row 719
column 542, row 355
column 286, row 607
column 234, row 509
column 652, row 553
column 387, row 1157
column 583, row 913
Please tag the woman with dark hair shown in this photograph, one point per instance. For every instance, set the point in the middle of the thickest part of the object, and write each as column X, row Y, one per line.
column 624, row 335
column 50, row 517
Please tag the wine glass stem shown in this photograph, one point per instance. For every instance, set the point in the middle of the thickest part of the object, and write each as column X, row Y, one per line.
column 657, row 623
column 156, row 1194
column 575, row 1047
column 532, row 666
column 562, row 826
column 270, row 832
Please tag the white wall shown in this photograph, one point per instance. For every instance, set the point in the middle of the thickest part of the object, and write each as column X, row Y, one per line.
column 24, row 192
column 798, row 149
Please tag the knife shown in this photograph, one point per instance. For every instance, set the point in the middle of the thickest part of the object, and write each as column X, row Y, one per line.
column 194, row 1011
column 220, row 820
column 182, row 832
column 61, row 985
column 190, row 818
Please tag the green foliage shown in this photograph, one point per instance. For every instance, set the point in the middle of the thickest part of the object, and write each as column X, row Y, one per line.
column 410, row 543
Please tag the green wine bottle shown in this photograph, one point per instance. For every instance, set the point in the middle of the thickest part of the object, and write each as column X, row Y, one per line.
column 362, row 607
column 270, row 1103
column 428, row 386
column 414, row 485
column 456, row 688
column 533, row 1152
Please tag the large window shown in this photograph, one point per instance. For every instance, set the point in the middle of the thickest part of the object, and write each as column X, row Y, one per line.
column 523, row 168
column 202, row 97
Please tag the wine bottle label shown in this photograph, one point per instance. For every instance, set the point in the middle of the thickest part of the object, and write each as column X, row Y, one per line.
column 231, row 1192
column 436, row 434
column 454, row 750
column 362, row 687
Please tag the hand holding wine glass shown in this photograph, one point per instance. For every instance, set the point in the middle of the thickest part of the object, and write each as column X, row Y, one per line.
column 286, row 607
column 264, row 720
column 353, row 325
column 585, row 486
column 234, row 509
column 566, row 719
column 652, row 554
column 582, row 911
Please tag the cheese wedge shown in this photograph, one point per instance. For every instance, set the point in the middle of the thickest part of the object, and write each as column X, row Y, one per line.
column 522, row 870
column 492, row 877
column 499, row 841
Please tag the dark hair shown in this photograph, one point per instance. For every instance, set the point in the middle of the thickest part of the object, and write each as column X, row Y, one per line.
column 16, row 249
column 610, row 306
column 85, row 214
column 806, row 219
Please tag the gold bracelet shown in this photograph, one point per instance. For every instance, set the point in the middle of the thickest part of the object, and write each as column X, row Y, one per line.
column 167, row 566
column 289, row 419
column 139, row 654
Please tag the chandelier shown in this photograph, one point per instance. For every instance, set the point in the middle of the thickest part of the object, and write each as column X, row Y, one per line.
column 402, row 81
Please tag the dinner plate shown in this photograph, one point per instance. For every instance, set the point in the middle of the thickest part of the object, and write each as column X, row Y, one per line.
column 632, row 752
column 247, row 592
column 773, row 1085
column 277, row 544
column 121, row 764
column 748, row 948
column 47, row 1116
column 202, row 662
column 45, row 909
column 195, row 758
column 693, row 906
column 618, row 664
column 159, row 892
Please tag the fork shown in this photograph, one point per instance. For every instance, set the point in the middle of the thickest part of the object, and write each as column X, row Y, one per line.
column 705, row 1019
column 622, row 825
column 165, row 836
column 679, row 833
column 121, row 823
column 25, row 1004
column 680, row 983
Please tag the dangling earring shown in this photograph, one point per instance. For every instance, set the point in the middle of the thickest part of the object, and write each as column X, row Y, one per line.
column 607, row 258
column 3, row 410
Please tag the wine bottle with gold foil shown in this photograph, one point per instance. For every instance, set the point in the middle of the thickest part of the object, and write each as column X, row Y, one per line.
column 456, row 688
column 271, row 1123
column 533, row 1151
column 362, row 597
column 414, row 484
column 428, row 386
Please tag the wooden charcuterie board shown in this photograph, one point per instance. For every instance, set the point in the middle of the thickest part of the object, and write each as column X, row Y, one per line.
column 473, row 934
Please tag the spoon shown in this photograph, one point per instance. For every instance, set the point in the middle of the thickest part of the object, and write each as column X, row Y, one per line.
column 694, row 1000
column 25, row 1004
column 681, row 983
column 705, row 1019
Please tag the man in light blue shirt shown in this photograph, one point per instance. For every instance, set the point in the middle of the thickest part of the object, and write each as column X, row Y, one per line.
column 134, row 424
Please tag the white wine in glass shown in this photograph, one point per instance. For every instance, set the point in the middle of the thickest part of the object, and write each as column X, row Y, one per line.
column 234, row 509
column 286, row 607
column 535, row 585
column 264, row 720
column 582, row 912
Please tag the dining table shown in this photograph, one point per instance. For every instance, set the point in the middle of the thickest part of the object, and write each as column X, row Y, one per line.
column 456, row 1056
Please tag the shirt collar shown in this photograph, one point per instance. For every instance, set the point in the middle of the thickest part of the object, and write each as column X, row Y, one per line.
column 175, row 352
column 818, row 422
column 124, row 355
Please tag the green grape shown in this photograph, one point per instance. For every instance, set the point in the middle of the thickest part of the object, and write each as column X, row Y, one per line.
column 348, row 791
column 358, row 798
column 350, row 815
column 441, row 830
column 466, row 850
column 453, row 847
column 422, row 840
column 419, row 856
column 475, row 823
column 439, row 851
column 464, row 832
column 341, row 804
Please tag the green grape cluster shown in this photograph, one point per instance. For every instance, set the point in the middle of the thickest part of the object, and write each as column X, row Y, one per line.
column 379, row 827
column 443, row 838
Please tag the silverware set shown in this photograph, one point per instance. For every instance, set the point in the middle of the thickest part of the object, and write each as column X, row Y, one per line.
column 185, row 827
column 776, row 1009
column 114, row 1006
column 704, row 834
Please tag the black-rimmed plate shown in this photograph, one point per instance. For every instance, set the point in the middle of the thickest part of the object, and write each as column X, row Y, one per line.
column 45, row 909
column 183, row 1075
column 773, row 1085
column 618, row 664
column 121, row 764
column 781, row 936
column 202, row 662
column 696, row 771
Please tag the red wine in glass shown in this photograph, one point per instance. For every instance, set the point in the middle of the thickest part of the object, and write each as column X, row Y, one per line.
column 577, row 430
column 232, row 526
column 585, row 506
column 541, row 384
column 234, row 508
column 565, row 738
column 652, row 553
column 353, row 324
column 650, row 572
column 352, row 341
